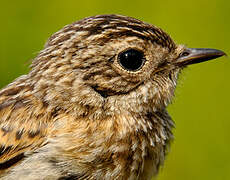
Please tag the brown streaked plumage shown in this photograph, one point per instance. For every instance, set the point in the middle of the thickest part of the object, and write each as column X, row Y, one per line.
column 94, row 104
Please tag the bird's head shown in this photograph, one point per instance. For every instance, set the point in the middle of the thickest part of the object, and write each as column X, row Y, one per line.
column 112, row 62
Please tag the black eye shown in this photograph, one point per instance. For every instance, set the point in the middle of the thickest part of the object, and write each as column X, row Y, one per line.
column 131, row 59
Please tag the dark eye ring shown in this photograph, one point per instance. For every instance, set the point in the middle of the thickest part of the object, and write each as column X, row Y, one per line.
column 131, row 59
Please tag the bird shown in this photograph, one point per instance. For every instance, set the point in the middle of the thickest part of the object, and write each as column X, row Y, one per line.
column 94, row 103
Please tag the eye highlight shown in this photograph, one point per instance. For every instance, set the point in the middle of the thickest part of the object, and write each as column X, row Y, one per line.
column 131, row 59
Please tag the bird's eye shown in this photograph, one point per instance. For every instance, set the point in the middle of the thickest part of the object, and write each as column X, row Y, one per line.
column 131, row 59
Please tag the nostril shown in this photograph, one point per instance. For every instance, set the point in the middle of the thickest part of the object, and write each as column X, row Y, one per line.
column 185, row 53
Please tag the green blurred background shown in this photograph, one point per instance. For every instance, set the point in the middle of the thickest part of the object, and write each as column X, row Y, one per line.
column 201, row 149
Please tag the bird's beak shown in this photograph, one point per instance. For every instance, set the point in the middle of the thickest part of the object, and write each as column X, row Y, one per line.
column 197, row 55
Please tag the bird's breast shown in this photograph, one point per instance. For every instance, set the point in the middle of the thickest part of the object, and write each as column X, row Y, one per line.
column 113, row 147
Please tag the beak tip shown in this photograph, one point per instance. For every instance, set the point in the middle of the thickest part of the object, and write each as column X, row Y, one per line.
column 222, row 53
